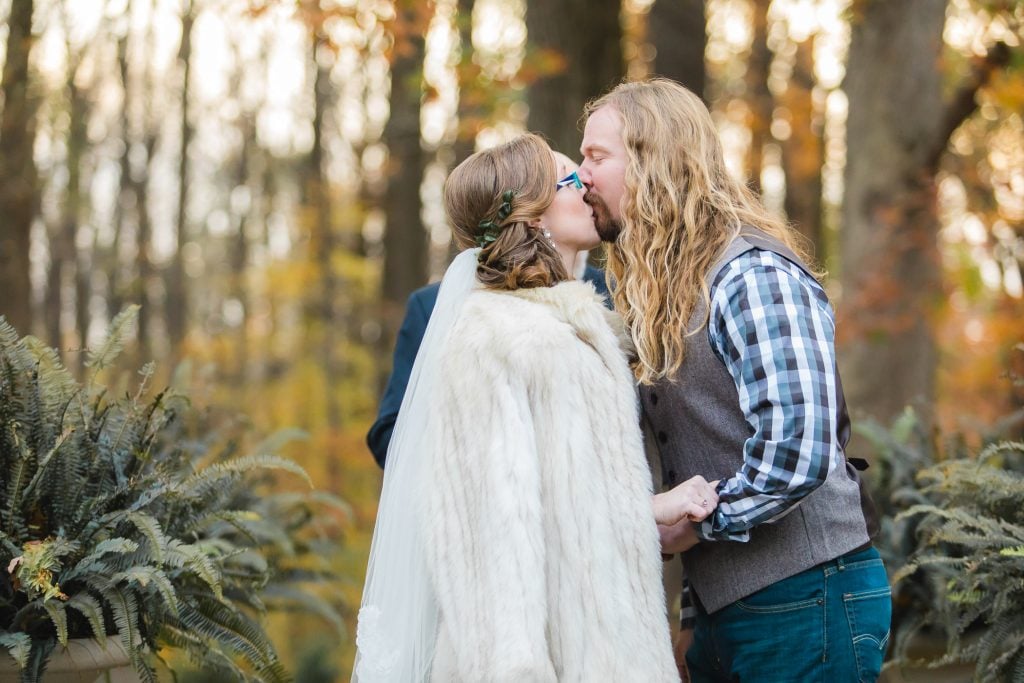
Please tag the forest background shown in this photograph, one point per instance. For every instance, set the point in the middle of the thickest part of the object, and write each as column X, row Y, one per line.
column 264, row 176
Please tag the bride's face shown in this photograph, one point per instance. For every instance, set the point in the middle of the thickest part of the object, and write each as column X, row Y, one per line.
column 569, row 218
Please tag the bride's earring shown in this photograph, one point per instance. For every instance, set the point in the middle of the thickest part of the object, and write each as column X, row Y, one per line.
column 547, row 236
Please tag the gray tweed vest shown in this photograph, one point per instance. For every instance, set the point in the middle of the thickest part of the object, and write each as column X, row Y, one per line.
column 700, row 429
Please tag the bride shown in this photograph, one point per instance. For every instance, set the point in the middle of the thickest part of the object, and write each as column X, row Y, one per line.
column 516, row 536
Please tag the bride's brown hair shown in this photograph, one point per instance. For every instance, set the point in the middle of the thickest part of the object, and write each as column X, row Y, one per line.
column 519, row 257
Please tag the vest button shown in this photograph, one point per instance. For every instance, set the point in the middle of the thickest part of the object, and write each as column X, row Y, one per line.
column 663, row 437
column 654, row 399
column 671, row 477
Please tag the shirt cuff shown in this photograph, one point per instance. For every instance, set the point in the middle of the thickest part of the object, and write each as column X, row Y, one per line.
column 714, row 528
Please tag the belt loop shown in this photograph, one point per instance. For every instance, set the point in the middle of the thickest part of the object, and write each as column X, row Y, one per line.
column 841, row 563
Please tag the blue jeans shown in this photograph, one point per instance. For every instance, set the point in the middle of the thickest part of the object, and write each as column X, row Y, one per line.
column 828, row 623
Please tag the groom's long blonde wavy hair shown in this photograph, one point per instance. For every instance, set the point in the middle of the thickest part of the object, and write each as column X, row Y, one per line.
column 681, row 209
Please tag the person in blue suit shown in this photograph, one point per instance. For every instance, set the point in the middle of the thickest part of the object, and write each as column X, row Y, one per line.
column 417, row 314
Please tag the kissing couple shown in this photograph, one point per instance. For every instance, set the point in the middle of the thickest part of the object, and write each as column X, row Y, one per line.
column 519, row 537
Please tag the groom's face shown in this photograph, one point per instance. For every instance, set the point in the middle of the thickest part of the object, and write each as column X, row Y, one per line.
column 603, row 170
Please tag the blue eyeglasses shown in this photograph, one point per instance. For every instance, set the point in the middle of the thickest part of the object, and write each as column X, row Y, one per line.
column 571, row 179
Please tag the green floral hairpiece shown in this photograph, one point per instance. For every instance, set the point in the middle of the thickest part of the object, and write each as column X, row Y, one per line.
column 491, row 228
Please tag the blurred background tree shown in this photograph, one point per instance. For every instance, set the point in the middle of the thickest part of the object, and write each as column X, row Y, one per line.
column 264, row 178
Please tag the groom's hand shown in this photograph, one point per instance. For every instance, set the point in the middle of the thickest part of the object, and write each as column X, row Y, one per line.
column 678, row 537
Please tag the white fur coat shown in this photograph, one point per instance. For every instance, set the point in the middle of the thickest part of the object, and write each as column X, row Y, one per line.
column 541, row 541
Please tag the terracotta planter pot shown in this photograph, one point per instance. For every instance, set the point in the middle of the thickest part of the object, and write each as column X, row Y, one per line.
column 83, row 661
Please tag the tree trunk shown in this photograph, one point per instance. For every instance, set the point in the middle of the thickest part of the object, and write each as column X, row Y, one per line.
column 759, row 97
column 470, row 111
column 143, row 263
column 678, row 31
column 144, row 270
column 177, row 292
column 803, row 154
column 78, row 112
column 588, row 36
column 17, row 170
column 405, row 238
column 322, row 322
column 240, row 207
column 240, row 253
column 891, row 279
column 406, row 247
column 54, row 284
column 268, row 197
column 115, row 295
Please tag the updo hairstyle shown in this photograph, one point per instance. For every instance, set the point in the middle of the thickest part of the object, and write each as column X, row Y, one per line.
column 520, row 257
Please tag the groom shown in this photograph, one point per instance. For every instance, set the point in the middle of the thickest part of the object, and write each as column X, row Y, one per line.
column 735, row 338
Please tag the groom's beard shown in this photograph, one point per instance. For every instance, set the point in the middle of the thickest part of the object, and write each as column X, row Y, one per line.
column 608, row 228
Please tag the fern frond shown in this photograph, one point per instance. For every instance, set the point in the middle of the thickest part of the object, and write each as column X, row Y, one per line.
column 207, row 656
column 290, row 499
column 290, row 598
column 213, row 474
column 184, row 555
column 59, row 618
column 147, row 674
column 37, row 659
column 234, row 630
column 151, row 529
column 7, row 544
column 1017, row 673
column 235, row 518
column 152, row 488
column 14, row 350
column 61, row 384
column 18, row 644
column 999, row 448
column 18, row 475
column 146, row 372
column 88, row 563
column 146, row 575
column 999, row 643
column 90, row 608
column 247, row 563
column 121, row 326
column 124, row 608
column 209, row 621
column 45, row 460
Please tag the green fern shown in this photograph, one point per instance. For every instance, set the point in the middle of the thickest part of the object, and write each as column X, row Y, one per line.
column 156, row 521
column 121, row 326
column 969, row 542
column 19, row 645
column 90, row 608
column 59, row 617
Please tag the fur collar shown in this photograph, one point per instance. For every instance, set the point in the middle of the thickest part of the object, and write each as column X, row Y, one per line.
column 577, row 304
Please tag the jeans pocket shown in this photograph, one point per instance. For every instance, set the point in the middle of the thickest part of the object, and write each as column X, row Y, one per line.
column 779, row 608
column 869, row 613
column 798, row 592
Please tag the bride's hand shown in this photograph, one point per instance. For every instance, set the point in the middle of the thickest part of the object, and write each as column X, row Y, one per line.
column 694, row 500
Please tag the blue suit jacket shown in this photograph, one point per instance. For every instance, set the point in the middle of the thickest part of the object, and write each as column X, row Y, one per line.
column 417, row 314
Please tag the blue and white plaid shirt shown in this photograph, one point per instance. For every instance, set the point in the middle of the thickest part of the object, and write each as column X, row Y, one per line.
column 772, row 326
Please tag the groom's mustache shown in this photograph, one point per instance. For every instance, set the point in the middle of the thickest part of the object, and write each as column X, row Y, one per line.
column 608, row 228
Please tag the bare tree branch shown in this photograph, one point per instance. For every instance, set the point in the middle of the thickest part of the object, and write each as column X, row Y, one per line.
column 964, row 102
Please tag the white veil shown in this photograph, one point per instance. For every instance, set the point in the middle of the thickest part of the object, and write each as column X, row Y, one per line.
column 398, row 616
